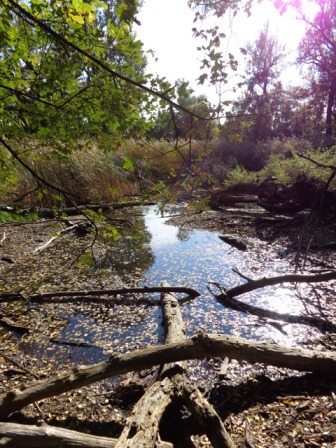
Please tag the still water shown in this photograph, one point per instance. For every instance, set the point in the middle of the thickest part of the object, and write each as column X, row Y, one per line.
column 193, row 258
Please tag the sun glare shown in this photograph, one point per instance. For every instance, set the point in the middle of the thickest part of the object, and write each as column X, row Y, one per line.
column 309, row 8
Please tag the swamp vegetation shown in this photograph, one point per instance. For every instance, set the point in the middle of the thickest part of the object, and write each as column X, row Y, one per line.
column 167, row 267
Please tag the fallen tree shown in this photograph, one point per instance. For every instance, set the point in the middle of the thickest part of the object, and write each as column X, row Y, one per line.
column 141, row 429
column 171, row 381
column 198, row 347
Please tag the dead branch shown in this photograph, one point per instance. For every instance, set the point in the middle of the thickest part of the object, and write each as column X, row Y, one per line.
column 207, row 417
column 58, row 296
column 251, row 285
column 10, row 325
column 198, row 347
column 71, row 343
column 3, row 238
column 30, row 436
column 53, row 238
column 237, row 305
column 17, row 364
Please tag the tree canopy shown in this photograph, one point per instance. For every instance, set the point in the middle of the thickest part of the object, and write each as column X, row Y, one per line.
column 74, row 70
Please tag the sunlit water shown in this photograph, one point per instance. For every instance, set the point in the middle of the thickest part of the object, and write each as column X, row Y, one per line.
column 191, row 258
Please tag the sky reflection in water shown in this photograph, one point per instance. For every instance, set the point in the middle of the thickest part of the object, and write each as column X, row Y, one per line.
column 190, row 258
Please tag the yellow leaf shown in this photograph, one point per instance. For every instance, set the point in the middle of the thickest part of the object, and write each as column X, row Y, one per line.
column 77, row 19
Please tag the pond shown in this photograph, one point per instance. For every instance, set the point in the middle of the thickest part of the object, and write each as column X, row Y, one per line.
column 159, row 251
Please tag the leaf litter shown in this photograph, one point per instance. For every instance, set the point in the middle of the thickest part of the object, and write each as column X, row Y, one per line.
column 301, row 412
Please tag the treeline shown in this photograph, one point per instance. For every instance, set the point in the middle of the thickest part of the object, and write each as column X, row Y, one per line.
column 80, row 113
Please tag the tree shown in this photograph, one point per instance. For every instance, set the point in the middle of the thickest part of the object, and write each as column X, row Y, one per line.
column 51, row 91
column 180, row 124
column 318, row 50
column 254, row 110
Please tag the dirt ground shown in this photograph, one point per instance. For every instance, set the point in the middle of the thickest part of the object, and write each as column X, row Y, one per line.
column 261, row 407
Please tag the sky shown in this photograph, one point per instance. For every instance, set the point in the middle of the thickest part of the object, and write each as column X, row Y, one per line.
column 166, row 29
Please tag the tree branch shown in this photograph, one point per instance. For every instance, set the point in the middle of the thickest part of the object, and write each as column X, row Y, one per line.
column 16, row 8
column 198, row 347
column 58, row 296
column 251, row 285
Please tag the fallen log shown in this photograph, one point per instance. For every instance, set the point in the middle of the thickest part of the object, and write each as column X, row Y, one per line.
column 172, row 317
column 141, row 429
column 54, row 212
column 198, row 347
column 142, row 426
column 14, row 435
column 199, row 407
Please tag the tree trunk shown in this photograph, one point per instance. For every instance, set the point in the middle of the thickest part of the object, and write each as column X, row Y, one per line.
column 330, row 106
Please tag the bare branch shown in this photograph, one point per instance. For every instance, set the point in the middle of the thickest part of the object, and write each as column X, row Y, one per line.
column 251, row 285
column 198, row 347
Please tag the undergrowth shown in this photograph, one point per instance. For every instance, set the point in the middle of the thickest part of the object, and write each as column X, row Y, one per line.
column 103, row 171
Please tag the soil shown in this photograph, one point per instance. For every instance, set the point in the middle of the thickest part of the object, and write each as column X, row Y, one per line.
column 261, row 407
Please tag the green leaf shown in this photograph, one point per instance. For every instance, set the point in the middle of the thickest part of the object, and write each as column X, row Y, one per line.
column 128, row 164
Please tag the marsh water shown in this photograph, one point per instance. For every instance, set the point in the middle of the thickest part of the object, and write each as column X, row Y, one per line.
column 153, row 251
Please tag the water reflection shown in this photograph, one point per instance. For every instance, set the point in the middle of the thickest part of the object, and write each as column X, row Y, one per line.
column 157, row 251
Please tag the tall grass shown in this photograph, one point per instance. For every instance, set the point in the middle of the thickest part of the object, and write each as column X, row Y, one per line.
column 103, row 171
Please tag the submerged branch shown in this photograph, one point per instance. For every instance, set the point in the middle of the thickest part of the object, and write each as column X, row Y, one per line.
column 93, row 295
column 237, row 305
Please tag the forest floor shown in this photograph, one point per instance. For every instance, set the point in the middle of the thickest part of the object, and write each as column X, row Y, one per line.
column 266, row 408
